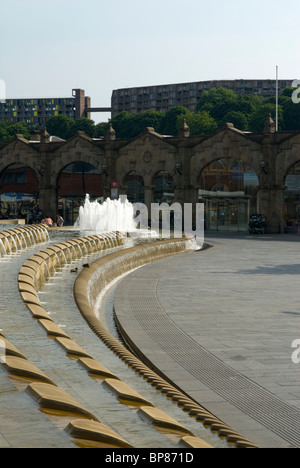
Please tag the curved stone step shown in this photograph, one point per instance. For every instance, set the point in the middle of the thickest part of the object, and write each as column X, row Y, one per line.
column 23, row 368
column 161, row 419
column 71, row 347
column 124, row 392
column 95, row 431
column 193, row 442
column 94, row 368
column 52, row 397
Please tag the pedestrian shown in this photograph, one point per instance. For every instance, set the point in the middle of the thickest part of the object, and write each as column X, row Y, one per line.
column 59, row 220
column 48, row 221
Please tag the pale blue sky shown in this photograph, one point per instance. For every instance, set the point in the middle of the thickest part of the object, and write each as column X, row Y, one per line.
column 48, row 47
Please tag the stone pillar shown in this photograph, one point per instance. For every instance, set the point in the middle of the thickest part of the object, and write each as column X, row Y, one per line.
column 270, row 203
column 270, row 196
column 48, row 201
column 148, row 194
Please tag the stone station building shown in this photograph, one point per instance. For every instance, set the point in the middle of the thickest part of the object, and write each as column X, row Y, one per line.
column 234, row 173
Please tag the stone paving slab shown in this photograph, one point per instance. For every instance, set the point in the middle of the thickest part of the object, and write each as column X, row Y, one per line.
column 220, row 324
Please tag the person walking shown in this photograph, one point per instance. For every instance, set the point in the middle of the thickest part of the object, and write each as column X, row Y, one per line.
column 59, row 221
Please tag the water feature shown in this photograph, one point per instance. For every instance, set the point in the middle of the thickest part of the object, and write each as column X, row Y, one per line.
column 27, row 335
column 109, row 216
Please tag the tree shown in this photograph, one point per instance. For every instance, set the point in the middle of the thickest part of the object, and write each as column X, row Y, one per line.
column 101, row 129
column 60, row 126
column 129, row 125
column 225, row 105
column 259, row 117
column 291, row 116
column 238, row 119
column 218, row 102
column 146, row 119
column 121, row 124
column 5, row 137
column 290, row 110
column 168, row 125
column 19, row 128
column 85, row 125
column 200, row 123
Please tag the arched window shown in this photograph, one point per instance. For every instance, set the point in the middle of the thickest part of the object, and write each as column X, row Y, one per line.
column 229, row 189
column 74, row 183
column 163, row 186
column 134, row 186
column 292, row 198
column 19, row 193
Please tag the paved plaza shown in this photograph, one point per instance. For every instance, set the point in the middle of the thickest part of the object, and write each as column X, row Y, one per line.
column 220, row 324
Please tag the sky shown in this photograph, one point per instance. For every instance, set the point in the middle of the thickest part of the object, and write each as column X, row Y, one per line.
column 49, row 47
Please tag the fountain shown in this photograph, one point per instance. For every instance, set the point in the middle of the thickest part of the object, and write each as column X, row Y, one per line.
column 109, row 216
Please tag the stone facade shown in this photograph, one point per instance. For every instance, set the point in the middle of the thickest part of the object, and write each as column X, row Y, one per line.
column 270, row 154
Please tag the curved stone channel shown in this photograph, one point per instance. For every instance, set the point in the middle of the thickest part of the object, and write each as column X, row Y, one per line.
column 24, row 424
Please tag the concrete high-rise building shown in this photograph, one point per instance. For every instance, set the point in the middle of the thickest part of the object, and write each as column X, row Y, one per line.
column 36, row 111
column 162, row 97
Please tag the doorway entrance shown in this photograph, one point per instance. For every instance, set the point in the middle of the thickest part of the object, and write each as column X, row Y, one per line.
column 229, row 189
column 227, row 215
column 75, row 182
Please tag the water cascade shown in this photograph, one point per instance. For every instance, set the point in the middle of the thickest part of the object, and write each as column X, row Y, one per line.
column 109, row 216
column 13, row 240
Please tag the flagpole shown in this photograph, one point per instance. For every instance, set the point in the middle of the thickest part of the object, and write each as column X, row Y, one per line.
column 276, row 98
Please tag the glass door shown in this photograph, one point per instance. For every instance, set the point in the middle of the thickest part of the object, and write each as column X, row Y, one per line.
column 211, row 213
column 227, row 215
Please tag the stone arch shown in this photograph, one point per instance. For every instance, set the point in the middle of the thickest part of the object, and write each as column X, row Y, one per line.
column 19, row 151
column 199, row 163
column 225, row 144
column 19, row 191
column 60, row 162
column 228, row 187
column 287, row 157
column 75, row 181
column 147, row 154
column 134, row 184
column 163, row 187
column 291, row 210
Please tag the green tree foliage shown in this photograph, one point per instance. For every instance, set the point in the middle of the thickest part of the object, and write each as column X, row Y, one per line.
column 238, row 119
column 5, row 137
column 259, row 117
column 60, row 126
column 128, row 125
column 226, row 106
column 169, row 123
column 200, row 123
column 214, row 108
column 218, row 102
column 291, row 116
column 7, row 131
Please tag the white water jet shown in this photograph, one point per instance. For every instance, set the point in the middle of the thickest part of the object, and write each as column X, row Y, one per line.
column 109, row 216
